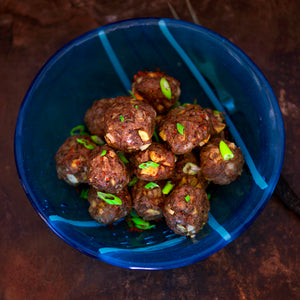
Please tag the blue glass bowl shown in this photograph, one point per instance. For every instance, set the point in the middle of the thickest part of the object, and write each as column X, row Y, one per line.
column 101, row 63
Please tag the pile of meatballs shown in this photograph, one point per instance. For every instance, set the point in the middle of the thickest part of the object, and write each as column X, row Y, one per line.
column 157, row 159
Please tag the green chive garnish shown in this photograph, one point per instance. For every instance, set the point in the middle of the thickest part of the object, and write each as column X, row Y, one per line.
column 180, row 128
column 123, row 158
column 136, row 106
column 122, row 118
column 132, row 94
column 187, row 198
column 97, row 140
column 85, row 144
column 148, row 164
column 103, row 152
column 84, row 194
column 167, row 188
column 133, row 181
column 151, row 185
column 208, row 196
column 165, row 88
column 216, row 112
column 141, row 224
column 195, row 101
column 225, row 151
column 156, row 137
column 110, row 198
column 78, row 130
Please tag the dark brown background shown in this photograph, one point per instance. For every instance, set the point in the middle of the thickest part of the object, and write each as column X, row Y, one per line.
column 263, row 263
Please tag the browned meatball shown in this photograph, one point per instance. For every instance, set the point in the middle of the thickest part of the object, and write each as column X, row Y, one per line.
column 72, row 158
column 107, row 213
column 106, row 171
column 188, row 171
column 94, row 116
column 185, row 127
column 148, row 199
column 216, row 121
column 186, row 210
column 215, row 168
column 155, row 163
column 146, row 85
column 129, row 125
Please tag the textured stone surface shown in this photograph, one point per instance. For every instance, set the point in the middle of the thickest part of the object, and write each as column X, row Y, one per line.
column 263, row 263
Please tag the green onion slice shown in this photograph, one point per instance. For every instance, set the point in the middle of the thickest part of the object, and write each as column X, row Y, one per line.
column 151, row 185
column 148, row 164
column 156, row 137
column 141, row 224
column 122, row 118
column 216, row 112
column 123, row 158
column 110, row 198
column 78, row 130
column 103, row 152
column 132, row 94
column 86, row 144
column 97, row 140
column 136, row 106
column 133, row 181
column 167, row 188
column 225, row 151
column 165, row 87
column 84, row 193
column 180, row 128
column 187, row 198
column 208, row 196
column 195, row 101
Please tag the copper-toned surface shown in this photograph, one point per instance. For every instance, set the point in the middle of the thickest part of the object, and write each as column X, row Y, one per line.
column 263, row 263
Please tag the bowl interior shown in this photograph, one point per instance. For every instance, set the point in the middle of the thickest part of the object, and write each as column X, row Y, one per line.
column 82, row 72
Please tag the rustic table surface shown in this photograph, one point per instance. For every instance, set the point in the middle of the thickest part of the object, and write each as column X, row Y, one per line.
column 263, row 263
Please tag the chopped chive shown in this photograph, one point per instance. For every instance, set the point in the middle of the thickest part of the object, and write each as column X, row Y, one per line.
column 216, row 112
column 156, row 137
column 97, row 140
column 78, row 130
column 141, row 224
column 180, row 128
column 132, row 94
column 84, row 193
column 148, row 164
column 208, row 196
column 136, row 106
column 85, row 144
column 165, row 87
column 133, row 181
column 225, row 151
column 167, row 188
column 187, row 198
column 151, row 185
column 123, row 158
column 195, row 101
column 107, row 198
column 122, row 118
column 103, row 152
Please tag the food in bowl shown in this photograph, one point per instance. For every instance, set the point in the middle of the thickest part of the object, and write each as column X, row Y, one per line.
column 172, row 172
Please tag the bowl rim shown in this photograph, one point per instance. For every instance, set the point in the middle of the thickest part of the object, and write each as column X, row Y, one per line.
column 130, row 23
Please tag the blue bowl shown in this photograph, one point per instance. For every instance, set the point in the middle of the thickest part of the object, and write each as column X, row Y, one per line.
column 100, row 64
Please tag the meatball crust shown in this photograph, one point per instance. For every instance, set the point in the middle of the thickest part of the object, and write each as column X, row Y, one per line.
column 188, row 171
column 106, row 171
column 148, row 201
column 72, row 158
column 216, row 121
column 146, row 85
column 129, row 125
column 194, row 124
column 215, row 168
column 107, row 213
column 94, row 116
column 160, row 156
column 186, row 210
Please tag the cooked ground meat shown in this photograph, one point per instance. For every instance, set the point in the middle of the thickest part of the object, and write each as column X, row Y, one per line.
column 154, row 163
column 216, row 121
column 106, row 213
column 148, row 199
column 106, row 171
column 129, row 125
column 146, row 85
column 185, row 127
column 215, row 168
column 186, row 210
column 72, row 158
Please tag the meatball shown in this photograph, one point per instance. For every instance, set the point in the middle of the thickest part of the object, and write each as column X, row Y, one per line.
column 185, row 127
column 186, row 210
column 129, row 125
column 94, row 116
column 72, row 158
column 148, row 199
column 106, row 171
column 215, row 168
column 147, row 85
column 188, row 171
column 106, row 211
column 216, row 121
column 155, row 163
